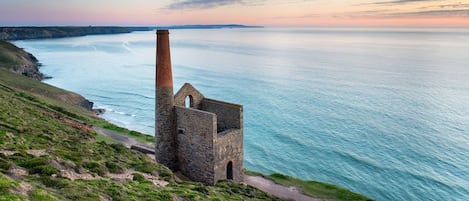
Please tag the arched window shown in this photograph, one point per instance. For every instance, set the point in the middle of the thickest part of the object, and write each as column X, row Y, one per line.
column 229, row 171
column 188, row 102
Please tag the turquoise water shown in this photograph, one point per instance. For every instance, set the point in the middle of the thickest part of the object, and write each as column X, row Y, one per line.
column 383, row 112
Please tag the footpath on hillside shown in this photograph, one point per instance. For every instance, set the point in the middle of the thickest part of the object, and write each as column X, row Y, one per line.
column 283, row 192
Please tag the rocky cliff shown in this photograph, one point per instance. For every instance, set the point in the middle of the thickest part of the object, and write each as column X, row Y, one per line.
column 21, row 62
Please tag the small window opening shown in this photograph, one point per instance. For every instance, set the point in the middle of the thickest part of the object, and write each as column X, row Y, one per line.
column 188, row 102
column 181, row 131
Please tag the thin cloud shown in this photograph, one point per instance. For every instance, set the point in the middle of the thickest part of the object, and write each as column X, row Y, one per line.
column 442, row 6
column 398, row 14
column 436, row 13
column 296, row 17
column 201, row 4
column 206, row 4
column 399, row 2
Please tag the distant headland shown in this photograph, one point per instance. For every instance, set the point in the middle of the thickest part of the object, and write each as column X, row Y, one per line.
column 25, row 33
column 210, row 26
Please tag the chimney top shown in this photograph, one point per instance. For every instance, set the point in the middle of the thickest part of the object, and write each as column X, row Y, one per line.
column 164, row 76
column 162, row 31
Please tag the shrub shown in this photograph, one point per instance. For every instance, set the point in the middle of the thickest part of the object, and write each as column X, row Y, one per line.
column 41, row 195
column 118, row 147
column 20, row 157
column 138, row 177
column 34, row 162
column 143, row 167
column 95, row 167
column 113, row 167
column 51, row 182
column 4, row 165
column 45, row 170
column 6, row 183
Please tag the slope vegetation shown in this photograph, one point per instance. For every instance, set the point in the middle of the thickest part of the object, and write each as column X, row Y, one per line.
column 46, row 154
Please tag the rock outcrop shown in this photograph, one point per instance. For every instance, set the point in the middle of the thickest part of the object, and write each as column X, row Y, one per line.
column 19, row 61
column 29, row 68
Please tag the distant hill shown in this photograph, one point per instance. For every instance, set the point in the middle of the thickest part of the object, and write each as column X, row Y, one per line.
column 22, row 33
column 210, row 26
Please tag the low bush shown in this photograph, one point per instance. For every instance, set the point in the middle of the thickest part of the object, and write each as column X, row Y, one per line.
column 138, row 177
column 45, row 170
column 113, row 167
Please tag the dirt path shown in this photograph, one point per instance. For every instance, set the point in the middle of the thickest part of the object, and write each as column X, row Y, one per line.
column 128, row 142
column 280, row 191
column 256, row 181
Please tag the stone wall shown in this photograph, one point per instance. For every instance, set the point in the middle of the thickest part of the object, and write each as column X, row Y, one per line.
column 229, row 147
column 165, row 138
column 188, row 90
column 196, row 132
column 209, row 137
column 228, row 114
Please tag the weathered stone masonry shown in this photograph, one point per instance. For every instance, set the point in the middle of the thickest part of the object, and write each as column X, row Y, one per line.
column 204, row 140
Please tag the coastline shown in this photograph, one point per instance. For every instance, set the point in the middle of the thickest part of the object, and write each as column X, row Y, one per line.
column 19, row 61
column 67, row 36
column 28, row 33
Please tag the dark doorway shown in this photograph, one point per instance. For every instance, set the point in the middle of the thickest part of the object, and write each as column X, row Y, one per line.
column 229, row 171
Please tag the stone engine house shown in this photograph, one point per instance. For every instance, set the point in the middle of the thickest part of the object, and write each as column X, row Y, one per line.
column 200, row 137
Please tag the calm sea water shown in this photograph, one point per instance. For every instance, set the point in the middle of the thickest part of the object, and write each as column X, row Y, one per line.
column 383, row 112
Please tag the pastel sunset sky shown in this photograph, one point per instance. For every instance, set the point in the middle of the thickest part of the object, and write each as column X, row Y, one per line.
column 406, row 13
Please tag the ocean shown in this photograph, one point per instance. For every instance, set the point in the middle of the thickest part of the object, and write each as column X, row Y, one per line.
column 382, row 112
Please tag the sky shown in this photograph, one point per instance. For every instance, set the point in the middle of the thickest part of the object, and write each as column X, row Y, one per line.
column 361, row 13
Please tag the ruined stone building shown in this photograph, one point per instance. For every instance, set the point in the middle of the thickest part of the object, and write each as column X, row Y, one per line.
column 201, row 137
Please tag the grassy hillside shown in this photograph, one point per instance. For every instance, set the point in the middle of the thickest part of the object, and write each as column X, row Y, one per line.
column 313, row 188
column 45, row 154
column 7, row 57
column 56, row 97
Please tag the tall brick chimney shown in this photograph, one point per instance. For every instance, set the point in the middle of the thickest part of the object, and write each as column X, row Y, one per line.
column 165, row 145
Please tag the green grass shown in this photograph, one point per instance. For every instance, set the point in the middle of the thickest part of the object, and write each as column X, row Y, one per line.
column 8, row 54
column 61, row 101
column 46, row 95
column 5, row 185
column 133, row 134
column 313, row 188
column 41, row 195
column 106, row 139
column 27, row 122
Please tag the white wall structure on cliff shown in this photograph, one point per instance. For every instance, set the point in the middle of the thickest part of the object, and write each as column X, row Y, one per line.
column 201, row 137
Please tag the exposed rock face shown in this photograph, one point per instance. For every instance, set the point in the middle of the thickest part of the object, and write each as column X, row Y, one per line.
column 87, row 104
column 76, row 99
column 19, row 61
column 99, row 111
column 30, row 68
